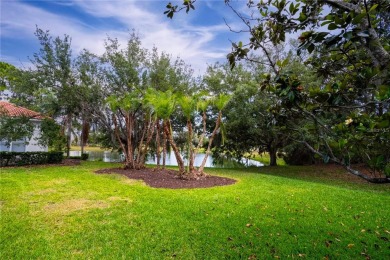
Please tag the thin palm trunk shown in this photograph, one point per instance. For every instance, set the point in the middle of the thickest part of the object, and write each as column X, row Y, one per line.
column 117, row 134
column 217, row 124
column 144, row 149
column 138, row 163
column 129, row 128
column 164, row 146
column 200, row 144
column 158, row 154
column 180, row 162
column 191, row 158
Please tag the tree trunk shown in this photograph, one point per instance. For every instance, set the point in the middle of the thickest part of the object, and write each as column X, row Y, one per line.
column 68, row 134
column 191, row 156
column 348, row 167
column 140, row 148
column 128, row 160
column 180, row 162
column 158, row 154
column 144, row 149
column 164, row 146
column 272, row 157
column 200, row 144
column 129, row 131
column 217, row 124
column 84, row 135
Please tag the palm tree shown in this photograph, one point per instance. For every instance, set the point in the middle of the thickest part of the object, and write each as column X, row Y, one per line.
column 126, row 111
column 220, row 103
column 188, row 106
column 202, row 105
column 164, row 104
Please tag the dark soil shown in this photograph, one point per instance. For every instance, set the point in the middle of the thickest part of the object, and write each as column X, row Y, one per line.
column 169, row 178
column 70, row 162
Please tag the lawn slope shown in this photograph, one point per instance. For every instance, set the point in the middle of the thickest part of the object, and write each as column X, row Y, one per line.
column 285, row 212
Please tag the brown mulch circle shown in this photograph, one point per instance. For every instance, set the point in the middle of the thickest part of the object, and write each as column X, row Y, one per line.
column 169, row 178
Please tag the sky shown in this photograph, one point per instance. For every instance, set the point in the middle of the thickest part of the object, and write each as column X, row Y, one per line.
column 200, row 37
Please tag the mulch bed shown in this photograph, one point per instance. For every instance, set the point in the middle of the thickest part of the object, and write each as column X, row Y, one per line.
column 169, row 178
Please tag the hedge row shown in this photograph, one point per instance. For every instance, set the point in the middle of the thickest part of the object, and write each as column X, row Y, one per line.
column 29, row 158
column 83, row 157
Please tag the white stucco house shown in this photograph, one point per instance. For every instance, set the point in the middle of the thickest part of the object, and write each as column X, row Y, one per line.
column 26, row 144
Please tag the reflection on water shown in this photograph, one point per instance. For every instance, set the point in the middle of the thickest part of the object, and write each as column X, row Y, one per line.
column 105, row 156
column 170, row 160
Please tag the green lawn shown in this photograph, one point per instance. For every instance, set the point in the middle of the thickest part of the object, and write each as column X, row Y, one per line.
column 265, row 159
column 88, row 148
column 286, row 212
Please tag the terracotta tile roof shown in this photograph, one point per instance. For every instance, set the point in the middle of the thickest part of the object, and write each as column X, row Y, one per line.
column 12, row 110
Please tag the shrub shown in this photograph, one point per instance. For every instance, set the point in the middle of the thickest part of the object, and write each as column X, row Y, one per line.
column 84, row 156
column 75, row 157
column 298, row 154
column 29, row 158
column 55, row 157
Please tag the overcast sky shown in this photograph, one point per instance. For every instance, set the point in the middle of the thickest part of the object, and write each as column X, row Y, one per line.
column 199, row 38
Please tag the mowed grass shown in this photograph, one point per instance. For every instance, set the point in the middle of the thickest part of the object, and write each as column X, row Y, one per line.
column 265, row 158
column 286, row 212
column 88, row 148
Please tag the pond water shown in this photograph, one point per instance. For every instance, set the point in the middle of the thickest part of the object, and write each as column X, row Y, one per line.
column 107, row 156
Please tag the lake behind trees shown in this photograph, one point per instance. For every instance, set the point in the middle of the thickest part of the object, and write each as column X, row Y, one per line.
column 108, row 156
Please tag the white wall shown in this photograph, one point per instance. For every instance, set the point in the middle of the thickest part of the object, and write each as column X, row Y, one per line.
column 33, row 145
column 23, row 146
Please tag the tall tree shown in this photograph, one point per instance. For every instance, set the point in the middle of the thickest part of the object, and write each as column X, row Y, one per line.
column 91, row 92
column 125, row 74
column 55, row 80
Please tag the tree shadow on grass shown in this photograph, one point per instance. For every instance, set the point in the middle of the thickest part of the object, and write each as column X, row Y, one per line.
column 328, row 174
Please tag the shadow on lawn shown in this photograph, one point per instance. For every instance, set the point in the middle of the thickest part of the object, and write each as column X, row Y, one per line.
column 328, row 174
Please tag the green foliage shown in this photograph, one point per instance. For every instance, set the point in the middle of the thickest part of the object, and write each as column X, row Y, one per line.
column 298, row 154
column 162, row 103
column 221, row 101
column 84, row 156
column 29, row 158
column 54, row 76
column 344, row 44
column 188, row 105
column 15, row 128
column 7, row 75
column 51, row 135
column 254, row 120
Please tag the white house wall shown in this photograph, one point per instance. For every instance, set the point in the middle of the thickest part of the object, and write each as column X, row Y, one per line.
column 33, row 145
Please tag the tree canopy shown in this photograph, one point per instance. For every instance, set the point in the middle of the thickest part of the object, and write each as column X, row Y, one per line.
column 344, row 117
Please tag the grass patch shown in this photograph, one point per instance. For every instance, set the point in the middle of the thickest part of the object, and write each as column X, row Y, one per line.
column 89, row 148
column 265, row 159
column 283, row 212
